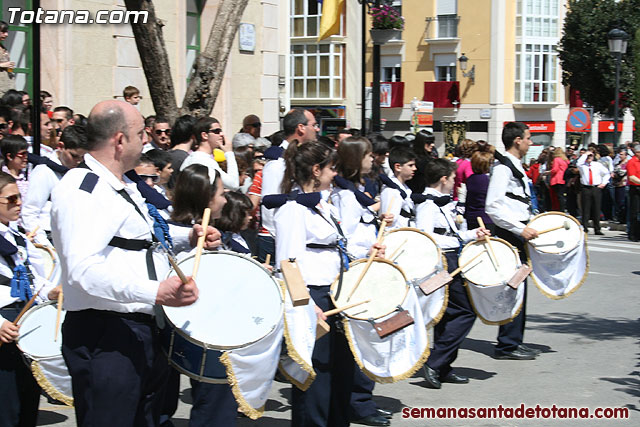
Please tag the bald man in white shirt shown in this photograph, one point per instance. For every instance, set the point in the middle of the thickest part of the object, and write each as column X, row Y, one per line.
column 110, row 269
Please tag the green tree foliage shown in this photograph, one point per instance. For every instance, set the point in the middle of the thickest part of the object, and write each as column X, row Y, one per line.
column 584, row 54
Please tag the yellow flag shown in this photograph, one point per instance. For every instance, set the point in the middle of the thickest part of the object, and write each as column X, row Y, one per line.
column 330, row 20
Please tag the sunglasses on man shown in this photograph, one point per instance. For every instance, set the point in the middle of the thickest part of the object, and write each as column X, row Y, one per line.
column 161, row 131
column 217, row 131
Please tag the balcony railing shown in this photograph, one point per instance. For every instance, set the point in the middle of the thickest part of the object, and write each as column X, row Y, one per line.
column 442, row 27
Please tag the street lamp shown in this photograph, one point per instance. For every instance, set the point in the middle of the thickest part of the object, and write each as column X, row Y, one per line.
column 463, row 60
column 617, row 46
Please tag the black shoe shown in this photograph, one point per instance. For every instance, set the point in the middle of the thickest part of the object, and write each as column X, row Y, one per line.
column 453, row 378
column 373, row 420
column 384, row 413
column 599, row 233
column 517, row 354
column 526, row 349
column 432, row 378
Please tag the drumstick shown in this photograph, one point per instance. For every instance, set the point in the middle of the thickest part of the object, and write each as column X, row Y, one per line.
column 26, row 307
column 392, row 257
column 60, row 301
column 346, row 307
column 267, row 260
column 374, row 251
column 205, row 224
column 33, row 232
column 459, row 269
column 177, row 269
column 564, row 225
column 488, row 240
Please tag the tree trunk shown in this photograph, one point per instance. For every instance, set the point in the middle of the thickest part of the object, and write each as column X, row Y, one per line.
column 155, row 61
column 208, row 69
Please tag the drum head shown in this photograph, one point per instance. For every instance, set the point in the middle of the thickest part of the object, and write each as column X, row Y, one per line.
column 239, row 302
column 414, row 251
column 482, row 270
column 37, row 332
column 557, row 241
column 384, row 284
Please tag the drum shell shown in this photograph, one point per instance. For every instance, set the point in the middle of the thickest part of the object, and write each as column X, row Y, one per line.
column 198, row 359
column 48, row 367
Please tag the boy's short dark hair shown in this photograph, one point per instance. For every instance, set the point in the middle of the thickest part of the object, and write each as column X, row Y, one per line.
column 438, row 168
column 159, row 158
column 129, row 91
column 74, row 136
column 400, row 155
column 511, row 131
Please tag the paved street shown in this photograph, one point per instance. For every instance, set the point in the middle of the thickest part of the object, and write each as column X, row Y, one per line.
column 590, row 357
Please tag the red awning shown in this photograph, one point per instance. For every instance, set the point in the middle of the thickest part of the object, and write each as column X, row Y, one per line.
column 442, row 94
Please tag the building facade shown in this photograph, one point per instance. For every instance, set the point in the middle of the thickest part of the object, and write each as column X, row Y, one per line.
column 513, row 71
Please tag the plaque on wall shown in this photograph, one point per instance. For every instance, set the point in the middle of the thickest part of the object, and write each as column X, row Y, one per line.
column 247, row 37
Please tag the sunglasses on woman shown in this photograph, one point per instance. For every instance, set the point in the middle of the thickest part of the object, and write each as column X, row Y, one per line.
column 12, row 199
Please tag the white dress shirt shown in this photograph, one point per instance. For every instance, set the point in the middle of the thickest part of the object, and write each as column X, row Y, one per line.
column 230, row 178
column 429, row 216
column 599, row 172
column 94, row 274
column 360, row 235
column 296, row 226
column 272, row 175
column 37, row 268
column 504, row 211
column 36, row 209
column 389, row 194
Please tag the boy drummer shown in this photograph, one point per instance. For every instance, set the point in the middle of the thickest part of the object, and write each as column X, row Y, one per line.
column 508, row 204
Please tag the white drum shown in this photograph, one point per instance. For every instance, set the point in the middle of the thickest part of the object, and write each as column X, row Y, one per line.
column 559, row 258
column 559, row 241
column 52, row 268
column 493, row 300
column 239, row 304
column 42, row 353
column 384, row 284
column 419, row 257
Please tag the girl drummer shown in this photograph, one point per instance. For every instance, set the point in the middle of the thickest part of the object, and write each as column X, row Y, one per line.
column 307, row 229
column 195, row 190
column 358, row 212
column 437, row 217
column 19, row 392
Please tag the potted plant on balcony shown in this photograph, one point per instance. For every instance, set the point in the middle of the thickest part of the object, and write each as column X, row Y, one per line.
column 387, row 23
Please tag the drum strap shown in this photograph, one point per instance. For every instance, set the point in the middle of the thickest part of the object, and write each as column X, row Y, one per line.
column 453, row 229
column 406, row 214
column 526, row 200
column 134, row 244
column 340, row 245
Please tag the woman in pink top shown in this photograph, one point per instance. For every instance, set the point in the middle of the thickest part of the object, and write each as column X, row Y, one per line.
column 464, row 150
column 558, row 167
